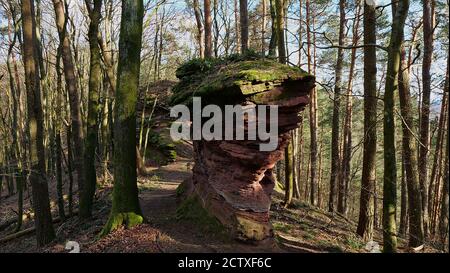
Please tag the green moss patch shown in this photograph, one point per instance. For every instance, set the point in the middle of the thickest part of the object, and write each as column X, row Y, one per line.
column 117, row 220
column 167, row 153
column 181, row 189
column 192, row 210
column 232, row 79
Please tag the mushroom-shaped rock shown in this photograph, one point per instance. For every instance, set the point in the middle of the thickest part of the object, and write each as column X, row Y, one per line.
column 232, row 179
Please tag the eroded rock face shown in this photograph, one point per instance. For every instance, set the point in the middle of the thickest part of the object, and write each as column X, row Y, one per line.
column 233, row 179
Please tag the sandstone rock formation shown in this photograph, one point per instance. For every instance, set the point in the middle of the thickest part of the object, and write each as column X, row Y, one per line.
column 233, row 180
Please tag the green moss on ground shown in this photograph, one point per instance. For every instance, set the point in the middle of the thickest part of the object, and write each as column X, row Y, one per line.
column 281, row 227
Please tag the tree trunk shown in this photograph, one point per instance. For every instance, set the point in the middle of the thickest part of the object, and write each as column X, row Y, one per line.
column 70, row 169
column 273, row 38
column 400, row 12
column 198, row 19
column 216, row 28
column 71, row 83
column 368, row 179
column 403, row 203
column 279, row 5
column 58, row 149
column 208, row 29
column 243, row 8
column 312, row 113
column 348, row 122
column 425, row 111
column 434, row 184
column 125, row 205
column 15, row 90
column 335, row 153
column 288, row 173
column 263, row 29
column 443, row 220
column 90, row 175
column 41, row 202
column 410, row 157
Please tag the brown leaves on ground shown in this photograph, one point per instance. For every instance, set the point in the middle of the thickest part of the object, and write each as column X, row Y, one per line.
column 140, row 239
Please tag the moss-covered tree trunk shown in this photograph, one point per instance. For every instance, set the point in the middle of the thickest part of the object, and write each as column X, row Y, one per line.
column 400, row 11
column 41, row 202
column 367, row 211
column 90, row 176
column 125, row 206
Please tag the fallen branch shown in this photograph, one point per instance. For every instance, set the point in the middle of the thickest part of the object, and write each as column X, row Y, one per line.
column 27, row 231
column 7, row 224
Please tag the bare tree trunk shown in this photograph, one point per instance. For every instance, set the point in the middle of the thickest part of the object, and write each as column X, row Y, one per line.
column 434, row 183
column 289, row 173
column 198, row 19
column 312, row 113
column 335, row 153
column 443, row 221
column 90, row 175
column 444, row 215
column 243, row 8
column 41, row 202
column 58, row 150
column 416, row 235
column 237, row 26
column 425, row 113
column 263, row 29
column 69, row 73
column 348, row 122
column 367, row 208
column 216, row 28
column 403, row 203
column 208, row 29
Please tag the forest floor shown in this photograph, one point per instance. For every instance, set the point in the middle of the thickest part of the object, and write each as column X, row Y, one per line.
column 301, row 228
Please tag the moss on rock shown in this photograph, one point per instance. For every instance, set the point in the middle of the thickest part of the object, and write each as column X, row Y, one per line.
column 232, row 79
column 248, row 229
column 192, row 210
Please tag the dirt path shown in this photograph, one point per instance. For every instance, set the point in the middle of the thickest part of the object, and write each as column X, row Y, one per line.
column 159, row 204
